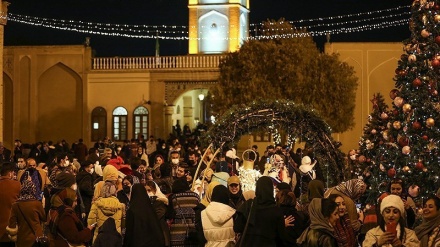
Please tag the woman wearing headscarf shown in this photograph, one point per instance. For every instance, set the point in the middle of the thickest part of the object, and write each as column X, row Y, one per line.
column 217, row 219
column 160, row 206
column 28, row 215
column 143, row 228
column 107, row 205
column 66, row 228
column 428, row 231
column 108, row 236
column 344, row 232
column 351, row 191
column 391, row 231
column 323, row 216
column 236, row 198
column 264, row 220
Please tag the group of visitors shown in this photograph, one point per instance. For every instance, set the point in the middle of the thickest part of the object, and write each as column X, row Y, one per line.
column 166, row 193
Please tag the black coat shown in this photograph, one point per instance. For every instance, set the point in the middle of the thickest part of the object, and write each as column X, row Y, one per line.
column 108, row 236
column 301, row 222
column 85, row 186
column 142, row 225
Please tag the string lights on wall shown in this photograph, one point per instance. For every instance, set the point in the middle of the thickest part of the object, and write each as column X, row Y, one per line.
column 322, row 26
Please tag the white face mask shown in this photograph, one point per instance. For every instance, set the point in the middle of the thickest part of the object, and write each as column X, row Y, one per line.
column 150, row 194
column 178, row 149
column 74, row 187
column 353, row 157
column 175, row 161
column 66, row 163
column 92, row 170
column 119, row 149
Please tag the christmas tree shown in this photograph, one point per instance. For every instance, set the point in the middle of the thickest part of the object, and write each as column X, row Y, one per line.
column 410, row 148
column 371, row 145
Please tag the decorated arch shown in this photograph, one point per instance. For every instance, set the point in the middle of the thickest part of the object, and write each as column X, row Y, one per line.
column 295, row 120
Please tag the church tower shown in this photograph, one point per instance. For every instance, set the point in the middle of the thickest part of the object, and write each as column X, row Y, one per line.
column 217, row 26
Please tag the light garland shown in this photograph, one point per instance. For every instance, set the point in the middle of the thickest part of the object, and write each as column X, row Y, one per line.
column 165, row 32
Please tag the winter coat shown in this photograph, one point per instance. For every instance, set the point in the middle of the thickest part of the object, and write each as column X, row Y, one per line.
column 34, row 213
column 103, row 208
column 84, row 181
column 318, row 238
column 409, row 239
column 218, row 224
column 69, row 228
column 108, row 236
column 9, row 192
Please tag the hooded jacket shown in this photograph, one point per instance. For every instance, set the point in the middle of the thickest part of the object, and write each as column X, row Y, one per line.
column 218, row 224
column 102, row 209
column 108, row 236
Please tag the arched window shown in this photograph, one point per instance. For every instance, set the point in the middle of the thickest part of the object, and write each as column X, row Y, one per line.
column 99, row 123
column 140, row 121
column 120, row 123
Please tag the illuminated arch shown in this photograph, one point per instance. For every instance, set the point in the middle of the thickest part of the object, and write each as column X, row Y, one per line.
column 297, row 121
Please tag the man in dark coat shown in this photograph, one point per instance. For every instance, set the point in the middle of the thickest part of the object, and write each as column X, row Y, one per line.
column 80, row 151
column 9, row 192
column 84, row 180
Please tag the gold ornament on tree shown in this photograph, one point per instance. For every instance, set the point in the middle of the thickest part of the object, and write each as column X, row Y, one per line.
column 406, row 108
column 397, row 125
column 406, row 150
column 398, row 101
column 430, row 122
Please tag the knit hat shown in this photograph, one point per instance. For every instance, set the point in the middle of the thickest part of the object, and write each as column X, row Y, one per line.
column 65, row 180
column 392, row 201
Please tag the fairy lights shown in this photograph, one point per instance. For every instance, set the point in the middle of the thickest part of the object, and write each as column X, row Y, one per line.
column 322, row 26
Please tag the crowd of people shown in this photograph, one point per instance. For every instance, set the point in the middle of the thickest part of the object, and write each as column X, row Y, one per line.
column 153, row 192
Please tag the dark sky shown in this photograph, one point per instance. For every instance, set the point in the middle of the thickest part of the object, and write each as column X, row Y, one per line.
column 175, row 12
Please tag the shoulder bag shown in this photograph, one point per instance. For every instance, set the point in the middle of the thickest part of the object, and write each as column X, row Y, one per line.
column 40, row 241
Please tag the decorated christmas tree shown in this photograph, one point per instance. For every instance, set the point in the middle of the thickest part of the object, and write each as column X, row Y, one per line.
column 371, row 145
column 410, row 148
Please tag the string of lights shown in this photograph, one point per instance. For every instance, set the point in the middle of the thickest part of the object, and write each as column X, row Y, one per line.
column 164, row 32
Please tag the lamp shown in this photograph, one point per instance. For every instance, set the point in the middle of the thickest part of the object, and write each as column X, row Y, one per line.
column 201, row 96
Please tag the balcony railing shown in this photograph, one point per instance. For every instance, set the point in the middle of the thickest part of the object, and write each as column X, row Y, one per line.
column 166, row 62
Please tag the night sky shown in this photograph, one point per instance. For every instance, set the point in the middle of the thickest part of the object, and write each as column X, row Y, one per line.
column 175, row 12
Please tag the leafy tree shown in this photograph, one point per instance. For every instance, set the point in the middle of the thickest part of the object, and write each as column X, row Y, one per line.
column 286, row 64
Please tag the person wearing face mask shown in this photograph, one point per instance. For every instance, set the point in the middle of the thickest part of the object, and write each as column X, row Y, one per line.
column 193, row 162
column 9, row 192
column 85, row 179
column 37, row 175
column 174, row 162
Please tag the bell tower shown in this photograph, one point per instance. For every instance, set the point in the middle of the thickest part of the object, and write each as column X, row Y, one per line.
column 217, row 26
